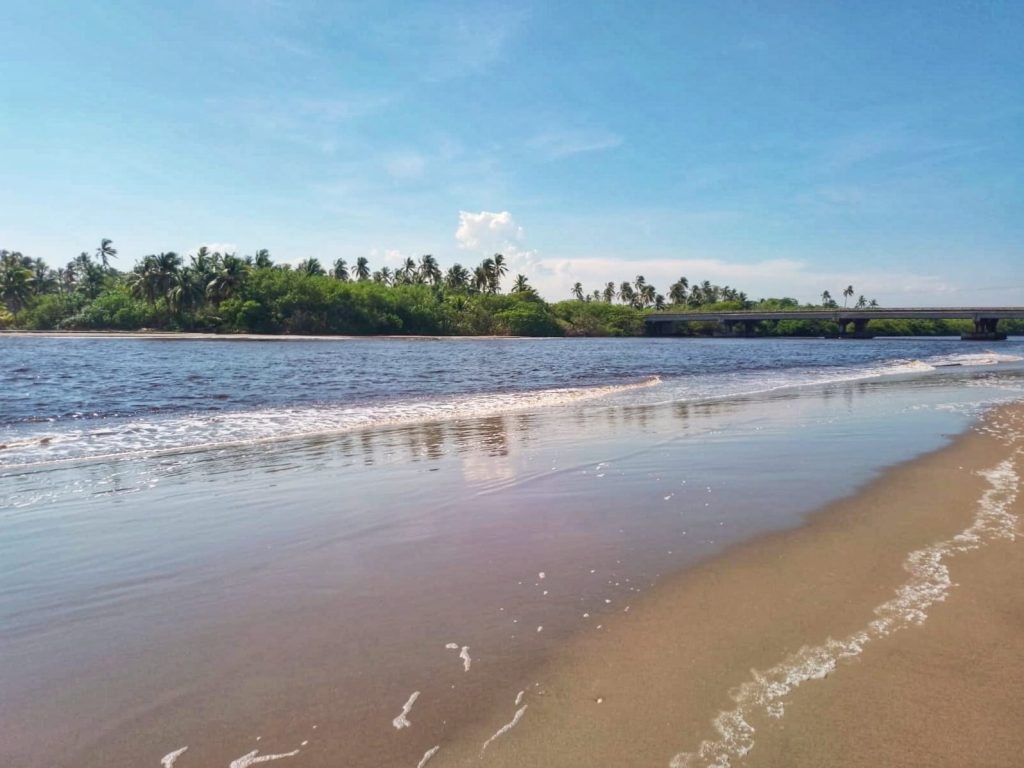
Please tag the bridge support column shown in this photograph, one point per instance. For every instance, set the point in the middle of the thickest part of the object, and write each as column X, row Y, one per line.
column 860, row 329
column 985, row 330
column 750, row 327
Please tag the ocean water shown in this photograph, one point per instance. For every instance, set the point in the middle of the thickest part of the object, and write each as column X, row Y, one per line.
column 74, row 399
column 237, row 546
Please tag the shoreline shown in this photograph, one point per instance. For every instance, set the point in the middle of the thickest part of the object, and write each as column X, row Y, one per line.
column 211, row 336
column 749, row 655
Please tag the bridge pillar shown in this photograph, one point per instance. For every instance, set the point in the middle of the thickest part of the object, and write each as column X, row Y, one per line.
column 860, row 329
column 750, row 327
column 729, row 327
column 985, row 329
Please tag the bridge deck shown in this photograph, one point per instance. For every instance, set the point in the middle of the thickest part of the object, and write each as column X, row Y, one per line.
column 847, row 315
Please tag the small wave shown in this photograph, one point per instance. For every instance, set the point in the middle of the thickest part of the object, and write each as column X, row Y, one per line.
column 972, row 359
column 155, row 436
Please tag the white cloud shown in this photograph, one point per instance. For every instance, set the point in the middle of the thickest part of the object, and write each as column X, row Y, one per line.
column 487, row 232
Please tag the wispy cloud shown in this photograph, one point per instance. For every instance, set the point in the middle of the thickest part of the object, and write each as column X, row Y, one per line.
column 563, row 143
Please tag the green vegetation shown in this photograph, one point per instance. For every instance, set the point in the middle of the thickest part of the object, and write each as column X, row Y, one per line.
column 230, row 294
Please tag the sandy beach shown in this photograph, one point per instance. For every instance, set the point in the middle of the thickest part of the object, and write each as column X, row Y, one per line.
column 939, row 685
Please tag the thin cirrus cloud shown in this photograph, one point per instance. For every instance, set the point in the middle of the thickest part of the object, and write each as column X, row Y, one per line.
column 558, row 144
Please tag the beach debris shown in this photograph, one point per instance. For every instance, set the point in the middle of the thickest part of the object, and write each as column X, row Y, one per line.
column 540, row 628
column 427, row 755
column 402, row 721
column 466, row 660
column 541, row 575
column 505, row 728
column 167, row 761
column 519, row 697
column 452, row 646
column 255, row 757
column 599, row 699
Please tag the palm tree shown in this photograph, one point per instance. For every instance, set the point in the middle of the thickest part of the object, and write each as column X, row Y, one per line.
column 187, row 291
column 861, row 302
column 362, row 269
column 639, row 284
column 15, row 285
column 143, row 282
column 873, row 303
column 67, row 277
column 577, row 291
column 262, row 259
column 647, row 295
column 677, row 291
column 521, row 285
column 499, row 271
column 481, row 276
column 626, row 294
column 310, row 268
column 408, row 273
column 457, row 278
column 659, row 302
column 204, row 265
column 89, row 275
column 44, row 280
column 847, row 293
column 429, row 271
column 609, row 292
column 384, row 276
column 709, row 292
column 826, row 299
column 228, row 280
column 340, row 271
column 485, row 276
column 106, row 251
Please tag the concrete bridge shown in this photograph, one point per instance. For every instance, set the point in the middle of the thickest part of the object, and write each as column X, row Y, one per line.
column 985, row 319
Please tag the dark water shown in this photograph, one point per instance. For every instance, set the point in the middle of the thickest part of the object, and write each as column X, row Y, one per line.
column 65, row 399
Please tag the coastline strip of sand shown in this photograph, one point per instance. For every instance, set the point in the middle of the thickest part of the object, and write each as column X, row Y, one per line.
column 887, row 631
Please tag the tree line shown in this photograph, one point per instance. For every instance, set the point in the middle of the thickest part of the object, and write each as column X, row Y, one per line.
column 224, row 292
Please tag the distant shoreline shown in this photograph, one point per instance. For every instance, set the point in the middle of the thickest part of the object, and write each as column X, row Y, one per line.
column 211, row 336
column 206, row 336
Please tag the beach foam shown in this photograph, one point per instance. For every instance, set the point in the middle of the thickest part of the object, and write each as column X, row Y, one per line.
column 930, row 582
column 168, row 760
column 505, row 728
column 402, row 721
column 254, row 757
column 155, row 435
column 427, row 755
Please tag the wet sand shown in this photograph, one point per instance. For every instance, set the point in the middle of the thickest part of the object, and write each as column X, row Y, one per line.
column 296, row 595
column 939, row 683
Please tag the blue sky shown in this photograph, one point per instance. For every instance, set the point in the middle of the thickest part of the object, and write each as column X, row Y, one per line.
column 781, row 148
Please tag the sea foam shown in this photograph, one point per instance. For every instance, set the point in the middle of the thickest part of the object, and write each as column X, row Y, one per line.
column 765, row 693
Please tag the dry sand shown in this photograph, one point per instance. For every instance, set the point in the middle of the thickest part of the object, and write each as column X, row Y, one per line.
column 949, row 691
